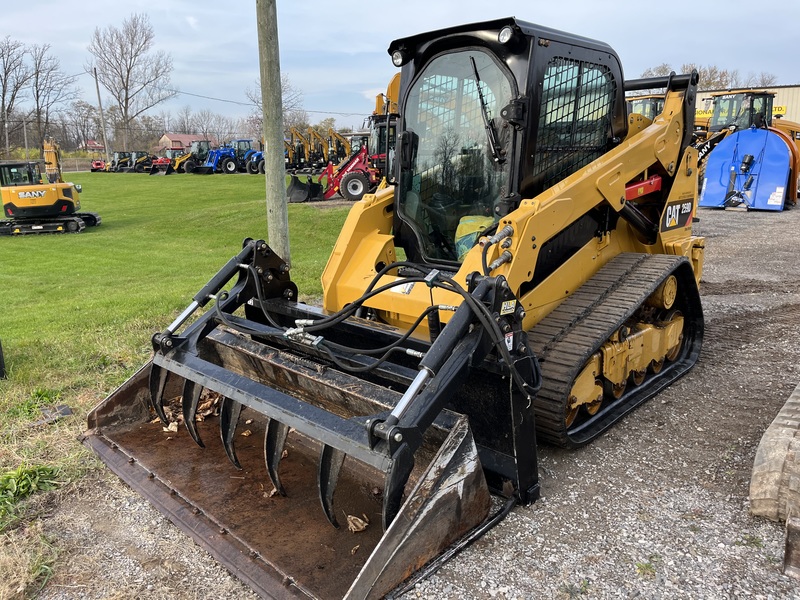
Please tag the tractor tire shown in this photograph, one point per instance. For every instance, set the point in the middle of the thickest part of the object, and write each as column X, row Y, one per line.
column 139, row 168
column 228, row 165
column 262, row 166
column 252, row 167
column 354, row 185
column 189, row 166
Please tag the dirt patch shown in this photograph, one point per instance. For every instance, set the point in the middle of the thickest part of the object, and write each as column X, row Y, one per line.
column 655, row 508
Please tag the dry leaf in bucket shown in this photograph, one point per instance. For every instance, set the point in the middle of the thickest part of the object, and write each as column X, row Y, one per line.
column 356, row 524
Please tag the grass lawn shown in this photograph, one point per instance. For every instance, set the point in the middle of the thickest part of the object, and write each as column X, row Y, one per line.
column 79, row 309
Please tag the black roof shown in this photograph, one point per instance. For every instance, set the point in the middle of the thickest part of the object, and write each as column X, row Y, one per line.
column 529, row 29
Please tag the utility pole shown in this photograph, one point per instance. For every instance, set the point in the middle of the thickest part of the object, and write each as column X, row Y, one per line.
column 274, row 165
column 102, row 117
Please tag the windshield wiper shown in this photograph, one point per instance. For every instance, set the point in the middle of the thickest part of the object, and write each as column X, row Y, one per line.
column 491, row 134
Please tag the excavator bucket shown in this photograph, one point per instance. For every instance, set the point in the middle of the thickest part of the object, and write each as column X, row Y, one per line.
column 303, row 190
column 300, row 495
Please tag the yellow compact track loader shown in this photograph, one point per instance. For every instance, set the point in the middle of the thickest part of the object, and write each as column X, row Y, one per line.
column 528, row 274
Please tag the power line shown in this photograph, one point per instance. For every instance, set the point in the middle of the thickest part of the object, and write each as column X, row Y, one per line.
column 251, row 104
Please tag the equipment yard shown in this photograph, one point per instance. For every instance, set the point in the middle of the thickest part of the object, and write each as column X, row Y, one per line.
column 655, row 508
column 511, row 324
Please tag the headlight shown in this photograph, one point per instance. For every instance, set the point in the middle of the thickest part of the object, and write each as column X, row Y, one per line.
column 399, row 57
column 506, row 34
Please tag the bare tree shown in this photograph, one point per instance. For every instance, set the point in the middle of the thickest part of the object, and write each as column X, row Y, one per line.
column 136, row 78
column 203, row 123
column 165, row 120
column 50, row 88
column 184, row 120
column 661, row 70
column 713, row 77
column 763, row 79
column 323, row 126
column 147, row 131
column 83, row 122
column 291, row 99
column 297, row 119
column 222, row 128
column 15, row 75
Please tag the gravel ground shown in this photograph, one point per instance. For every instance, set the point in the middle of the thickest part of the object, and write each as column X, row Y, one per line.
column 656, row 508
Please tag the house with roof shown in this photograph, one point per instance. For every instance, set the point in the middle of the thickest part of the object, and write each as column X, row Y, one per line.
column 92, row 146
column 181, row 140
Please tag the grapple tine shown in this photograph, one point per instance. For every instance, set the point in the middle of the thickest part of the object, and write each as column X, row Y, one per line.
column 229, row 411
column 191, row 398
column 158, row 379
column 330, row 463
column 396, row 478
column 274, row 442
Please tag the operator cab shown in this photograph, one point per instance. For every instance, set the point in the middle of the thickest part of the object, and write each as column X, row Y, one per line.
column 741, row 110
column 20, row 173
column 488, row 119
column 649, row 106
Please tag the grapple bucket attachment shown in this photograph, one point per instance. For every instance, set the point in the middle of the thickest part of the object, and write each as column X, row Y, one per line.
column 169, row 170
column 285, row 546
column 300, row 190
column 203, row 170
column 276, row 469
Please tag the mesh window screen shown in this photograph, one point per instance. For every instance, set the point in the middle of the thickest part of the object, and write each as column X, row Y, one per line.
column 574, row 118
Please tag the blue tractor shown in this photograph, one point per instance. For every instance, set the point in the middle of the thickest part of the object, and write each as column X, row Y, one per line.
column 229, row 158
column 255, row 164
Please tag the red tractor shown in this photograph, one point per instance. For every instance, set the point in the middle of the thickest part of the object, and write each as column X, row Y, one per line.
column 355, row 176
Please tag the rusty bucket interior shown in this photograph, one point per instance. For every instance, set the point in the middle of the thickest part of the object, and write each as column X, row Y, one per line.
column 285, row 547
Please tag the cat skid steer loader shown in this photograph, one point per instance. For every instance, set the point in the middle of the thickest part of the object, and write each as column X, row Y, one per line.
column 529, row 274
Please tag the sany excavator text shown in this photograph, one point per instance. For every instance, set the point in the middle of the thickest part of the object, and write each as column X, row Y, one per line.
column 547, row 287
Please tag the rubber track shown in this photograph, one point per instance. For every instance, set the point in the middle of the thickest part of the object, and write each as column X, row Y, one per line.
column 565, row 339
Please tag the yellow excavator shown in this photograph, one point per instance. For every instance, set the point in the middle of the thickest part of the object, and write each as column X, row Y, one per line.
column 41, row 202
column 527, row 274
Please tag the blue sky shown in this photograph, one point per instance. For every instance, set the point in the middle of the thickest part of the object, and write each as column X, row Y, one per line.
column 335, row 52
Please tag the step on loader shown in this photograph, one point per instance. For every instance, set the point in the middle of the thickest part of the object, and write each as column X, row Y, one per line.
column 548, row 286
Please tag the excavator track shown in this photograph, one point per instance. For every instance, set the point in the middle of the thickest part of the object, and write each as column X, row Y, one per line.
column 70, row 224
column 74, row 223
column 568, row 337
